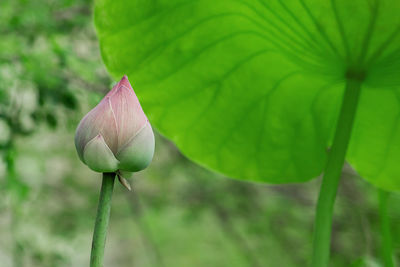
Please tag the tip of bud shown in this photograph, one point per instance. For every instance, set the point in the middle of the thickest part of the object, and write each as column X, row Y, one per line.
column 124, row 82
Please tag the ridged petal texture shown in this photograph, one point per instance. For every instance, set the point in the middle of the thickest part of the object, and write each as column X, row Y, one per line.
column 116, row 126
column 128, row 114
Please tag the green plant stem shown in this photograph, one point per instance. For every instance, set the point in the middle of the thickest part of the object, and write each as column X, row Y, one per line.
column 102, row 218
column 332, row 174
column 14, row 188
column 386, row 240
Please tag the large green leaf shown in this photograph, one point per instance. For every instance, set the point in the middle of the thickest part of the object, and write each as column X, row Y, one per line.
column 252, row 88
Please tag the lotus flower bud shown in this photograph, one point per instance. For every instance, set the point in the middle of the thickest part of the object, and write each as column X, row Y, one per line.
column 116, row 135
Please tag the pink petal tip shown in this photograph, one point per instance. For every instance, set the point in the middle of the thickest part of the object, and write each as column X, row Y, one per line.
column 124, row 82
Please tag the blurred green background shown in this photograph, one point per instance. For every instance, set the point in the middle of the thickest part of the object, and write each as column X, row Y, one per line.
column 179, row 214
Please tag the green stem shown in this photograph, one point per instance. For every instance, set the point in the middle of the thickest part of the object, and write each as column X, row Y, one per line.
column 14, row 187
column 102, row 218
column 386, row 241
column 332, row 174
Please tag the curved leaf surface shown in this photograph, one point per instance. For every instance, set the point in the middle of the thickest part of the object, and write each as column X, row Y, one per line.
column 252, row 88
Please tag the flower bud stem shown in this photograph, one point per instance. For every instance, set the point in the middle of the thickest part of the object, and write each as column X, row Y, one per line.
column 102, row 218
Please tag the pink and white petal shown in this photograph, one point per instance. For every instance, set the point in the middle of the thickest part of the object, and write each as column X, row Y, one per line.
column 129, row 115
column 99, row 120
column 98, row 156
column 137, row 154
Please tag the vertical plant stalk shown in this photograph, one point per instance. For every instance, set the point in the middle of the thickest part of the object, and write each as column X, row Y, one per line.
column 13, row 186
column 102, row 219
column 332, row 174
column 386, row 240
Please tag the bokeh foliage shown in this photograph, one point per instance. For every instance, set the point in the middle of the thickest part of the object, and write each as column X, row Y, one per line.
column 180, row 214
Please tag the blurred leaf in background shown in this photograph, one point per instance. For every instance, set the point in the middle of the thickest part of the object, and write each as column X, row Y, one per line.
column 179, row 214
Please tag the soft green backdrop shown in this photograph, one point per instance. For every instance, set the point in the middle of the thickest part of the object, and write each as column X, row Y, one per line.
column 179, row 215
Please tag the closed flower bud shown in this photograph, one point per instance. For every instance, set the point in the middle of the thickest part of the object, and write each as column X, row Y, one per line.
column 116, row 135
